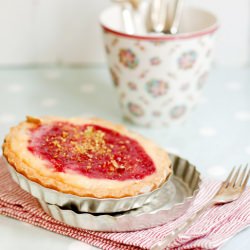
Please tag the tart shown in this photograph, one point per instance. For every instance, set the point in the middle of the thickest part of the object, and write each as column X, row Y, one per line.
column 86, row 157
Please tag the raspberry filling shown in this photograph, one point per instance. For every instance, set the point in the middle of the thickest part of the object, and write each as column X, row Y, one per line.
column 90, row 150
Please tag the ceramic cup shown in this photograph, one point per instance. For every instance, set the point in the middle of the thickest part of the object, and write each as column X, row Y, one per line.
column 159, row 78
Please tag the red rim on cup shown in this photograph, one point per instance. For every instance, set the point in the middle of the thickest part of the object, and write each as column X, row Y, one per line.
column 195, row 22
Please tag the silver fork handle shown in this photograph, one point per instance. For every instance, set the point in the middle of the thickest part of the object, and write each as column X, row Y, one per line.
column 177, row 17
column 157, row 15
column 127, row 14
column 183, row 227
column 128, row 20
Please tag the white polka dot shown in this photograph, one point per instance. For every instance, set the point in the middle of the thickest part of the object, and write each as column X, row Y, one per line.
column 247, row 150
column 243, row 116
column 52, row 74
column 234, row 86
column 15, row 88
column 87, row 88
column 7, row 118
column 77, row 245
column 173, row 150
column 208, row 131
column 49, row 102
column 216, row 171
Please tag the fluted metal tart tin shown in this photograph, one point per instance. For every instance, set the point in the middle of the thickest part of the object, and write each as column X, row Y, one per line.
column 83, row 204
column 164, row 208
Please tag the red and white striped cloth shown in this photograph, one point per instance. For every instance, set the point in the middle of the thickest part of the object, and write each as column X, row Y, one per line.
column 209, row 232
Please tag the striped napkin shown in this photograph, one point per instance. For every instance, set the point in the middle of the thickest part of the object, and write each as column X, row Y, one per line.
column 212, row 229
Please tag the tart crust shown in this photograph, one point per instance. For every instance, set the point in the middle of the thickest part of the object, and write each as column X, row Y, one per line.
column 15, row 150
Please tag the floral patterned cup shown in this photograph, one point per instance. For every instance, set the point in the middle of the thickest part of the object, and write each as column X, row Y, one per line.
column 159, row 78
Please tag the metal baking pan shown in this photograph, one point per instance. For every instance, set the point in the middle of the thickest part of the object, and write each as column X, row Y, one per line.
column 83, row 204
column 185, row 184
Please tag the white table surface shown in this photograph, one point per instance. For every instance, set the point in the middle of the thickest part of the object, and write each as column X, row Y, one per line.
column 215, row 137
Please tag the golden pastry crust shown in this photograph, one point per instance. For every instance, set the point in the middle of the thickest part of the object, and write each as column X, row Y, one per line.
column 34, row 168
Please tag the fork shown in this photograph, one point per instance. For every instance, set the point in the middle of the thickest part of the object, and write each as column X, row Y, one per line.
column 157, row 16
column 128, row 9
column 230, row 190
column 176, row 17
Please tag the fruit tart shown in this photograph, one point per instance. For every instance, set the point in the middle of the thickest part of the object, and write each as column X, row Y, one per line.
column 86, row 157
